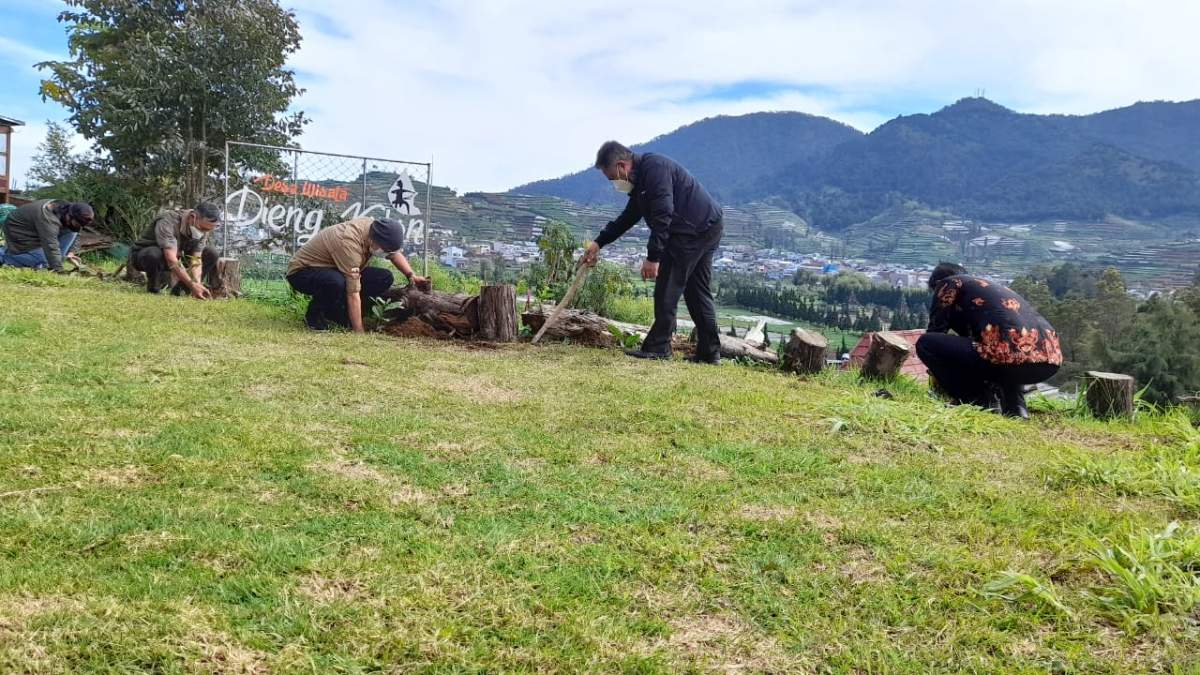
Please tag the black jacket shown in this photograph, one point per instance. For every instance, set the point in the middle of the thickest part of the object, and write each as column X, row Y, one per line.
column 669, row 198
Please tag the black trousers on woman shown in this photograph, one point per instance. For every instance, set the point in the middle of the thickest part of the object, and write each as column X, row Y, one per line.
column 965, row 375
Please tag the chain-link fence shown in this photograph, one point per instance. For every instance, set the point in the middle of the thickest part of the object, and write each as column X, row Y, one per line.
column 277, row 198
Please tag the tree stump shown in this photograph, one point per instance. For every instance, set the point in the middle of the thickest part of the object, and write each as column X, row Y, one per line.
column 1109, row 395
column 228, row 278
column 805, row 352
column 498, row 313
column 885, row 356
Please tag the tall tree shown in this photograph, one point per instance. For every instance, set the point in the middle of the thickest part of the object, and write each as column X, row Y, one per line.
column 158, row 86
column 54, row 161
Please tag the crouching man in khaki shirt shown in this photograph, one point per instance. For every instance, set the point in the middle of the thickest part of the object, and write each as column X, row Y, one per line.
column 332, row 268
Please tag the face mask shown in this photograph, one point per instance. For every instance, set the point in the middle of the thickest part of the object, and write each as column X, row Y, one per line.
column 197, row 233
column 622, row 185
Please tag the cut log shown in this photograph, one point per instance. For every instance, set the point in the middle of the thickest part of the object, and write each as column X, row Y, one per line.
column 577, row 325
column 227, row 279
column 885, row 356
column 498, row 313
column 450, row 314
column 591, row 329
column 805, row 352
column 1109, row 395
column 733, row 348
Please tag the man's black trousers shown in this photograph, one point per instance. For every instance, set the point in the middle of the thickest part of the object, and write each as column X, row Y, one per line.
column 686, row 269
column 327, row 286
column 965, row 375
column 151, row 261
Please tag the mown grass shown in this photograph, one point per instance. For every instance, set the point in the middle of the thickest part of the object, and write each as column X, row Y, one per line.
column 206, row 487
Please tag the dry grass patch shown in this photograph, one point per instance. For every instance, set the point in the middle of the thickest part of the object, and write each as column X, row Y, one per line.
column 765, row 513
column 478, row 390
column 324, row 590
column 724, row 643
column 118, row 477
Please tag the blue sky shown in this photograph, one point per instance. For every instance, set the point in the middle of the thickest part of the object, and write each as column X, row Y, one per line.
column 503, row 92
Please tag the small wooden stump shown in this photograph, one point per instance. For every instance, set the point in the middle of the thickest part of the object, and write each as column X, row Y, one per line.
column 805, row 352
column 228, row 281
column 1109, row 395
column 885, row 356
column 498, row 313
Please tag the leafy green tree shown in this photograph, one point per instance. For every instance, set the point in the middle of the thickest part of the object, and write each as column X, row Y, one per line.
column 1161, row 350
column 54, row 162
column 1114, row 306
column 158, row 86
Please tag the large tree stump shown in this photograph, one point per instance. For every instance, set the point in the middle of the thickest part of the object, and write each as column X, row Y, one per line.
column 1109, row 394
column 805, row 352
column 885, row 356
column 498, row 313
column 227, row 281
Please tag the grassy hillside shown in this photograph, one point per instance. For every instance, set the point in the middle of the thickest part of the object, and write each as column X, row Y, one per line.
column 205, row 487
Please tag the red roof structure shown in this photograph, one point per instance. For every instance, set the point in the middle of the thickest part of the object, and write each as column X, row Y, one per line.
column 913, row 367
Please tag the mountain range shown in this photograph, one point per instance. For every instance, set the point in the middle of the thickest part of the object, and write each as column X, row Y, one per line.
column 974, row 158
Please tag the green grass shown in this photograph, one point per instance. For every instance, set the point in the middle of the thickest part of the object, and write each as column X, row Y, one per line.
column 206, row 487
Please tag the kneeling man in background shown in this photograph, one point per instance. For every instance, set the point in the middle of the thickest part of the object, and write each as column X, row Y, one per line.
column 1000, row 345
column 175, row 247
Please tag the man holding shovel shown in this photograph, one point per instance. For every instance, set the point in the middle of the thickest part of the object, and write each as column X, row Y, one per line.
column 685, row 230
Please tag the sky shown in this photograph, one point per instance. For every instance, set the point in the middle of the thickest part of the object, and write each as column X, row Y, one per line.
column 498, row 93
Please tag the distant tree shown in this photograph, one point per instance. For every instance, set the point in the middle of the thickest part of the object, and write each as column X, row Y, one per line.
column 158, row 86
column 1161, row 350
column 1115, row 308
column 54, row 161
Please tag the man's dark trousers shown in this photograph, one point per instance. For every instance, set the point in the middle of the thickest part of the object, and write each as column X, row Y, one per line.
column 686, row 269
column 153, row 263
column 965, row 375
column 327, row 286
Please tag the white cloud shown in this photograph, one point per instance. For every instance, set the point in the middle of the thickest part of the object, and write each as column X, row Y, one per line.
column 21, row 54
column 500, row 92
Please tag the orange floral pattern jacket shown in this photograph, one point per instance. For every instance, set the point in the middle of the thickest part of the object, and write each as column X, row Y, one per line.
column 1006, row 329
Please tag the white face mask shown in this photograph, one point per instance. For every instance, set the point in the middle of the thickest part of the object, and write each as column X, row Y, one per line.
column 622, row 185
column 197, row 233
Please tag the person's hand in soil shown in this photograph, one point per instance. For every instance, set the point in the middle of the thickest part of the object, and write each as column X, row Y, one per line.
column 199, row 292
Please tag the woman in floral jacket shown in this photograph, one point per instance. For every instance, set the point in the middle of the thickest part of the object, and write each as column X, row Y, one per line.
column 1001, row 343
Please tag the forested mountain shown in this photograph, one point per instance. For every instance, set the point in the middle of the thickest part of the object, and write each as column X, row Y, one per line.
column 975, row 158
column 730, row 155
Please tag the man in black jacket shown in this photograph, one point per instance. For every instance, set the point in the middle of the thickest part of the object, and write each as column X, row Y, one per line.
column 685, row 229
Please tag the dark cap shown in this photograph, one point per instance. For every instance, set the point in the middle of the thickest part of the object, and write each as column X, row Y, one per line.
column 388, row 234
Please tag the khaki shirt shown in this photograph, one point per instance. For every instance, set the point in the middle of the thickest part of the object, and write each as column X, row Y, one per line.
column 169, row 231
column 345, row 246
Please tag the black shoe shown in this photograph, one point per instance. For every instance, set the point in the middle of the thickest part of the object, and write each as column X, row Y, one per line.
column 1012, row 402
column 639, row 354
column 712, row 360
column 178, row 290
